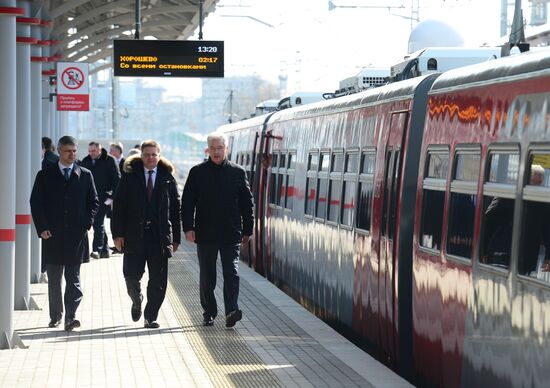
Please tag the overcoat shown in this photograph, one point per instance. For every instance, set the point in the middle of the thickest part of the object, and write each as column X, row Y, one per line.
column 129, row 206
column 106, row 174
column 67, row 210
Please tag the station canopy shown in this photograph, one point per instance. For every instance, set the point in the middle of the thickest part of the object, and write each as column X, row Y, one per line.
column 84, row 30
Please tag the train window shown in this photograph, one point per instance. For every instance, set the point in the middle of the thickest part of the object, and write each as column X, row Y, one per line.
column 433, row 198
column 281, row 190
column 337, row 162
column 351, row 162
column 311, row 183
column 497, row 218
column 273, row 187
column 321, row 210
column 325, row 161
column 463, row 202
column 290, row 180
column 275, row 160
column 247, row 163
column 282, row 160
column 292, row 161
column 365, row 191
column 534, row 256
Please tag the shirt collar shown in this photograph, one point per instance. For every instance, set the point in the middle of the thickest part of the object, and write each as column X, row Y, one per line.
column 62, row 166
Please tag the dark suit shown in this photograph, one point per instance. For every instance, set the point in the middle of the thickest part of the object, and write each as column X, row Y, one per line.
column 149, row 228
column 67, row 210
column 106, row 177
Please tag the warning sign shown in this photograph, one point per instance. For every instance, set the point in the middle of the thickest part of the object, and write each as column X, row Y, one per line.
column 72, row 86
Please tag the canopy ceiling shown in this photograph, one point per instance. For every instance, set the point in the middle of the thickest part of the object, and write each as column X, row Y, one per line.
column 85, row 29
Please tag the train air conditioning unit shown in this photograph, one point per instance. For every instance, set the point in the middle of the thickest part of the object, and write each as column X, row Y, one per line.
column 440, row 59
column 367, row 78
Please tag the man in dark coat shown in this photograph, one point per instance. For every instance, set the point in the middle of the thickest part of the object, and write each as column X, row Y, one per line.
column 106, row 177
column 146, row 226
column 116, row 150
column 63, row 205
column 48, row 156
column 217, row 214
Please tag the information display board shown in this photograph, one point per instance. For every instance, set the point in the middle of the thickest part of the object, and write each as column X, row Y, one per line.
column 168, row 58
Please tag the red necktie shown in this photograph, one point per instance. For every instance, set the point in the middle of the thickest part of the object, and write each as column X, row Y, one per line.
column 150, row 185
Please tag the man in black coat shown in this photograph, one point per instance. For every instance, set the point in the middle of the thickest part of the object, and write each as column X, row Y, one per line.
column 217, row 214
column 146, row 226
column 63, row 205
column 48, row 156
column 106, row 177
column 116, row 150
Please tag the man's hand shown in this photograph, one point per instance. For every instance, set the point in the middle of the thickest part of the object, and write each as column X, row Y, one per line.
column 245, row 239
column 119, row 244
column 175, row 246
column 46, row 234
column 190, row 236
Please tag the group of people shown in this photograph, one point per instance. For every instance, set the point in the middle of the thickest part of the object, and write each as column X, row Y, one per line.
column 215, row 212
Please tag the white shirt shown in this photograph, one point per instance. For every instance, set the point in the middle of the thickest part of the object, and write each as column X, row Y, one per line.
column 62, row 167
column 153, row 177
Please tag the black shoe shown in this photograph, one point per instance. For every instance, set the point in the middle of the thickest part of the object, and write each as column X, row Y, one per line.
column 233, row 317
column 104, row 255
column 72, row 324
column 136, row 310
column 94, row 255
column 208, row 321
column 54, row 323
column 150, row 325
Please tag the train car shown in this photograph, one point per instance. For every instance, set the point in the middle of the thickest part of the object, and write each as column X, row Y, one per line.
column 481, row 290
column 415, row 218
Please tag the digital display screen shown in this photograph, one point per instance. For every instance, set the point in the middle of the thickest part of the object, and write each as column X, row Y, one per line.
column 168, row 58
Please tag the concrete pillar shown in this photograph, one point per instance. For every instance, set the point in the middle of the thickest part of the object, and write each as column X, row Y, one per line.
column 23, row 165
column 46, row 121
column 8, row 13
column 35, row 150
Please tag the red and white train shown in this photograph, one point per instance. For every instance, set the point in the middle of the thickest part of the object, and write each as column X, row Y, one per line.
column 416, row 217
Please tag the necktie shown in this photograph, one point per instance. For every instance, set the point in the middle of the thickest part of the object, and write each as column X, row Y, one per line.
column 150, row 185
column 66, row 173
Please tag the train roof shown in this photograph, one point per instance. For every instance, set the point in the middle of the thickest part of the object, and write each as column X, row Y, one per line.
column 522, row 65
column 248, row 123
column 397, row 90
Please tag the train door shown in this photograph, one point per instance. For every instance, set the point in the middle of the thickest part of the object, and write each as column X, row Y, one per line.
column 388, row 256
column 253, row 181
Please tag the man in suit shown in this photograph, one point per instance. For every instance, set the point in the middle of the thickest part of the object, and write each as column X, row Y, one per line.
column 146, row 227
column 63, row 205
column 106, row 176
column 217, row 214
column 48, row 156
column 116, row 150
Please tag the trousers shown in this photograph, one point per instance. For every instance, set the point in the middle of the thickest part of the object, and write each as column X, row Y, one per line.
column 73, row 290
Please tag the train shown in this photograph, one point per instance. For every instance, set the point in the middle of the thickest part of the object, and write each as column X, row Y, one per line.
column 408, row 217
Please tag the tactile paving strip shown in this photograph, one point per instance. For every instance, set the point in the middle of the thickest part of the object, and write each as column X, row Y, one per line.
column 265, row 338
column 223, row 353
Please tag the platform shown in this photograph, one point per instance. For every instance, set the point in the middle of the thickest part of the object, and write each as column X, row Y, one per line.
column 277, row 344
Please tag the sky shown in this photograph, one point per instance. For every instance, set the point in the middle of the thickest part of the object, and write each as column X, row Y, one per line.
column 315, row 47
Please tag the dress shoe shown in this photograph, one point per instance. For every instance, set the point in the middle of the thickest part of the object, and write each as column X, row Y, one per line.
column 94, row 255
column 151, row 324
column 136, row 310
column 72, row 324
column 233, row 317
column 208, row 321
column 54, row 323
column 104, row 255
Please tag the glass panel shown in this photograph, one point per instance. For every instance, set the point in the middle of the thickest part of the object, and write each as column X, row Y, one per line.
column 432, row 219
column 282, row 161
column 461, row 224
column 273, row 188
column 291, row 161
column 322, row 198
column 503, row 168
column 325, row 161
column 281, row 190
column 313, row 163
column 497, row 226
column 337, row 162
column 534, row 257
column 348, row 207
column 289, row 191
column 310, row 199
column 368, row 161
column 438, row 165
column 351, row 163
column 467, row 167
column 364, row 205
column 274, row 160
column 538, row 167
column 335, row 193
